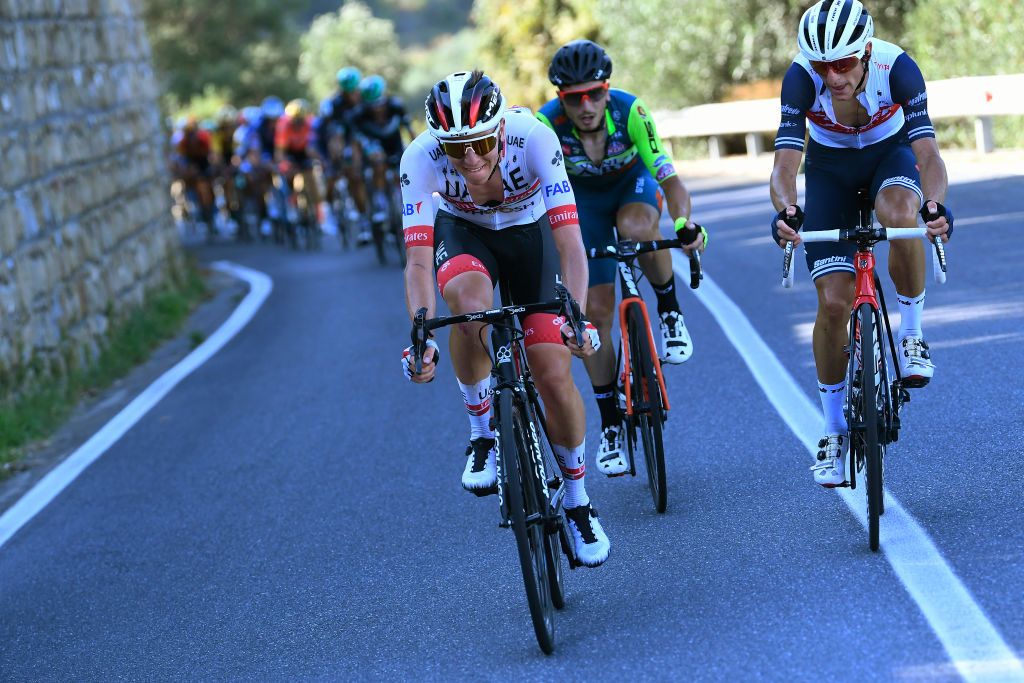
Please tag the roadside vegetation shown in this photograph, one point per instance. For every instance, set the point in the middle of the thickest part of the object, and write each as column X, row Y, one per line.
column 26, row 418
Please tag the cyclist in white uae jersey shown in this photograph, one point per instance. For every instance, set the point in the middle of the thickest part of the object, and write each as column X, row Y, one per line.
column 866, row 103
column 508, row 216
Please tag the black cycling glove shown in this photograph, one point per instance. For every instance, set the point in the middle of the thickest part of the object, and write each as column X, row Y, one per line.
column 940, row 211
column 794, row 222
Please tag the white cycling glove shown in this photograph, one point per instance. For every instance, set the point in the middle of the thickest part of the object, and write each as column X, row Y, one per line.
column 409, row 360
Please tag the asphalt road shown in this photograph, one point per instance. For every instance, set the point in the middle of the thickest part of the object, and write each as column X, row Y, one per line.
column 292, row 510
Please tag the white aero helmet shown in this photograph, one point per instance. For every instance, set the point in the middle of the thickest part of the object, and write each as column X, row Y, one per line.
column 833, row 29
column 464, row 106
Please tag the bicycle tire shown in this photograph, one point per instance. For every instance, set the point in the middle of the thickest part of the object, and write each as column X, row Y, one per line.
column 870, row 413
column 553, row 543
column 530, row 538
column 647, row 405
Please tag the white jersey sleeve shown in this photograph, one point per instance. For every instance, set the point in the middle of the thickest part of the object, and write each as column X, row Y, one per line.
column 544, row 160
column 418, row 178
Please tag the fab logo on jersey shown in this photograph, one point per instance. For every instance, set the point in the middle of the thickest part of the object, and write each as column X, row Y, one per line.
column 410, row 209
column 558, row 188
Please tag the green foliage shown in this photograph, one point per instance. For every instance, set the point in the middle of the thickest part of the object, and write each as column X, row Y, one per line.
column 428, row 66
column 966, row 38
column 38, row 412
column 352, row 36
column 244, row 50
column 517, row 41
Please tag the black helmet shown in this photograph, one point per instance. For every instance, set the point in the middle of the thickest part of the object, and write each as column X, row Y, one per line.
column 578, row 62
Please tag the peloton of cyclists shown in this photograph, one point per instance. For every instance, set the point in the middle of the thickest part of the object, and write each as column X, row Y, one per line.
column 867, row 106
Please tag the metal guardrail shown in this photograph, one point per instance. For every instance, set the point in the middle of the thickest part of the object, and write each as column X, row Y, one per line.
column 977, row 97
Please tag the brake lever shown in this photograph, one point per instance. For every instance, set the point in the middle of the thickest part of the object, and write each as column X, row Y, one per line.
column 419, row 338
column 787, row 260
column 571, row 311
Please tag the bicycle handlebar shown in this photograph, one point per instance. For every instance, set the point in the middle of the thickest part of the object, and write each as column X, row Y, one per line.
column 563, row 303
column 627, row 250
column 866, row 235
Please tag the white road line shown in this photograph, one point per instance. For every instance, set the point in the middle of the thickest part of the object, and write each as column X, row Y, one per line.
column 975, row 647
column 50, row 486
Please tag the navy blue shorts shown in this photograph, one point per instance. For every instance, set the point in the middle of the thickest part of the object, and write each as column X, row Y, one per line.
column 833, row 177
column 598, row 206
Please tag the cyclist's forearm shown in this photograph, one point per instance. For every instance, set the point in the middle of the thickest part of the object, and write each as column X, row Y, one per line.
column 783, row 182
column 419, row 287
column 934, row 181
column 573, row 258
column 677, row 197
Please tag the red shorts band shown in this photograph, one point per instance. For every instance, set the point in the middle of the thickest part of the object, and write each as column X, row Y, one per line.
column 457, row 265
column 543, row 328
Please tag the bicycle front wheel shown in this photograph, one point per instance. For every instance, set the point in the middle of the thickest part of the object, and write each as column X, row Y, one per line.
column 647, row 404
column 870, row 413
column 527, row 511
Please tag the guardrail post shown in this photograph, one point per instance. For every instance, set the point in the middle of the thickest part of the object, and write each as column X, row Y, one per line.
column 715, row 147
column 983, row 134
column 755, row 145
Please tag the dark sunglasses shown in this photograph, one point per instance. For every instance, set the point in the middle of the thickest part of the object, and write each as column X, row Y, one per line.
column 840, row 66
column 575, row 97
column 482, row 146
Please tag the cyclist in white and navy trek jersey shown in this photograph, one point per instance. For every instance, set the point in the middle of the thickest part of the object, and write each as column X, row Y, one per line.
column 867, row 106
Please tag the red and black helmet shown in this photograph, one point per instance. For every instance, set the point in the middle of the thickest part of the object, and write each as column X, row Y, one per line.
column 464, row 105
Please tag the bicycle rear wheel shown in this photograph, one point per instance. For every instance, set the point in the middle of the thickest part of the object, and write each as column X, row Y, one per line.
column 527, row 510
column 872, row 421
column 647, row 405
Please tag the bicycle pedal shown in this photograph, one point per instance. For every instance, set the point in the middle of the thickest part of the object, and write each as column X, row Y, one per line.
column 915, row 382
column 483, row 493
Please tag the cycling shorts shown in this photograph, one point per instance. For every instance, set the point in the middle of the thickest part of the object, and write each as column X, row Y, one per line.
column 833, row 176
column 300, row 160
column 598, row 207
column 523, row 259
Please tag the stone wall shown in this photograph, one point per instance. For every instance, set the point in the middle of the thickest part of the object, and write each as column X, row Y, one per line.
column 85, row 227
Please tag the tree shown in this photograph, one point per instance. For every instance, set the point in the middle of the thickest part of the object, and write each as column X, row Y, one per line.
column 244, row 50
column 427, row 67
column 518, row 40
column 352, row 36
column 966, row 38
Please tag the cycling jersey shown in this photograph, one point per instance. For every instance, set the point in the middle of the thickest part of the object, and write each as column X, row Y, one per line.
column 631, row 134
column 342, row 112
column 532, row 171
column 382, row 124
column 894, row 97
column 194, row 146
column 293, row 136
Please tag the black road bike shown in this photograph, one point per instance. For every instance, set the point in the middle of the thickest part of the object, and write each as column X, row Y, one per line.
column 529, row 499
column 638, row 366
column 877, row 391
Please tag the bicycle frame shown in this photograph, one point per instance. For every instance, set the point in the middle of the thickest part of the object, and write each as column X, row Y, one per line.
column 631, row 296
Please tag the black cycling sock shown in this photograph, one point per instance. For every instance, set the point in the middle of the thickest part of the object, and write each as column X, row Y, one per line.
column 607, row 403
column 667, row 301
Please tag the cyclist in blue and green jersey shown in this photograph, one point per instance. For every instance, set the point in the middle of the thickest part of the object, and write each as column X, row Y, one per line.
column 620, row 173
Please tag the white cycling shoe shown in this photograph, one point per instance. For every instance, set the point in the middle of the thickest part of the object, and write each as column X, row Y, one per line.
column 676, row 345
column 481, row 473
column 588, row 538
column 611, row 456
column 916, row 365
column 830, row 468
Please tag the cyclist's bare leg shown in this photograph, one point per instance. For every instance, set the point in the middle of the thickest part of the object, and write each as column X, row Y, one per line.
column 311, row 187
column 639, row 221
column 550, row 367
column 831, row 326
column 601, row 312
column 355, row 179
column 465, row 293
column 897, row 207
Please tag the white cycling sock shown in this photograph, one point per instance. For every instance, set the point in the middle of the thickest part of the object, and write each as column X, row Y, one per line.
column 573, row 463
column 911, row 309
column 833, row 400
column 478, row 404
